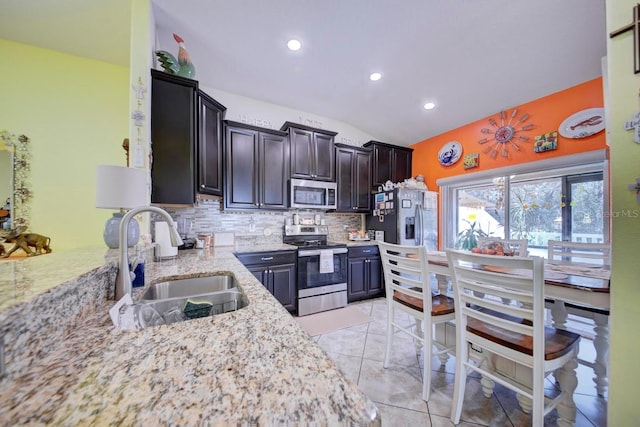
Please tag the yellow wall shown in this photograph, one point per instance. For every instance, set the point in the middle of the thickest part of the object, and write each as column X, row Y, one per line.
column 623, row 87
column 75, row 111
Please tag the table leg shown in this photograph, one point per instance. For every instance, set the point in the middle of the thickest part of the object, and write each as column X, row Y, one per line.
column 568, row 380
column 601, row 343
column 443, row 284
column 559, row 314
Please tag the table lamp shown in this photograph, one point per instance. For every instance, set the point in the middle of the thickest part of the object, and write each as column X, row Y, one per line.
column 119, row 187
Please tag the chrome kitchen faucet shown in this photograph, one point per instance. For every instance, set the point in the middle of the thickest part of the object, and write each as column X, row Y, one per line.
column 123, row 279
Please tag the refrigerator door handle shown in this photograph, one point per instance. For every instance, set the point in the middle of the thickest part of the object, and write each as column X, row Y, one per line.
column 419, row 225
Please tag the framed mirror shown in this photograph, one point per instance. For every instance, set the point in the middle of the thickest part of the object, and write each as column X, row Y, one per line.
column 15, row 191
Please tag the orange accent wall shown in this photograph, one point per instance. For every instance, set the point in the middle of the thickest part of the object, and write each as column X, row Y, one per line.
column 545, row 113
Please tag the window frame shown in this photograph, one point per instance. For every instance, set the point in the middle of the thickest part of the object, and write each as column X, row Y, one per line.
column 588, row 162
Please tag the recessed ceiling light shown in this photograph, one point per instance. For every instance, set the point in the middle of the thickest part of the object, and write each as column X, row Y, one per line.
column 374, row 77
column 294, row 44
column 429, row 106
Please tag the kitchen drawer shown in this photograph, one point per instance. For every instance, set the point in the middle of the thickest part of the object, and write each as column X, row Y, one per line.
column 363, row 251
column 271, row 258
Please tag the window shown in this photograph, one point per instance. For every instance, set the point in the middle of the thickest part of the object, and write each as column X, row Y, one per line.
column 557, row 202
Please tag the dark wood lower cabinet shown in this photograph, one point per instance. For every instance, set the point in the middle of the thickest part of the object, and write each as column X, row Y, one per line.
column 277, row 272
column 365, row 277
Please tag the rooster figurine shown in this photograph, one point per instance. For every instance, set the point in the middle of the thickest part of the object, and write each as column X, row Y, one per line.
column 182, row 66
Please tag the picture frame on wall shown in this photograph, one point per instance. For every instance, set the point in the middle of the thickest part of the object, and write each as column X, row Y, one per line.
column 471, row 161
column 546, row 142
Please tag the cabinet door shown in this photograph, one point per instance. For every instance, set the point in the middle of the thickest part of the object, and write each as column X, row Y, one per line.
column 262, row 274
column 382, row 164
column 274, row 167
column 301, row 153
column 241, row 152
column 173, row 136
column 356, row 279
column 345, row 177
column 401, row 168
column 210, row 159
column 323, row 157
column 361, row 197
column 376, row 276
column 283, row 279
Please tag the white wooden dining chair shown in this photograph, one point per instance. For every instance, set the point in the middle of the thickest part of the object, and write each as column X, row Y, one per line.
column 512, row 330
column 590, row 253
column 408, row 290
column 519, row 247
column 584, row 320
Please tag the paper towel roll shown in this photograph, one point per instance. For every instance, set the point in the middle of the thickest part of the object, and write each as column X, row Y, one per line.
column 163, row 240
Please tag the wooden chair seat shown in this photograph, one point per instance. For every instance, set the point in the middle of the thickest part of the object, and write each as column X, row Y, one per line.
column 440, row 304
column 558, row 342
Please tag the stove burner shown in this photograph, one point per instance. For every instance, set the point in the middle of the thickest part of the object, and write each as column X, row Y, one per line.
column 313, row 236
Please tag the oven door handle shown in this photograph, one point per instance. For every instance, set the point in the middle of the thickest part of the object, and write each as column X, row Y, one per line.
column 336, row 251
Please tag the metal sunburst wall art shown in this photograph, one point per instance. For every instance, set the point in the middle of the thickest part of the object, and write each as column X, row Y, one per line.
column 505, row 134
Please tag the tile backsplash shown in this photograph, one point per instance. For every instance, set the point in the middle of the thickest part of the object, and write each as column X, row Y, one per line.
column 260, row 226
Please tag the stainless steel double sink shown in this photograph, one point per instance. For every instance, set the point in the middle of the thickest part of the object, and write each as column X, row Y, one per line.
column 184, row 299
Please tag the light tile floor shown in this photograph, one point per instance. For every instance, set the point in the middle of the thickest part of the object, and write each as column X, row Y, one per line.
column 397, row 390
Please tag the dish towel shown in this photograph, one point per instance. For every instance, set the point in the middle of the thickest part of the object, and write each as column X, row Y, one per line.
column 326, row 261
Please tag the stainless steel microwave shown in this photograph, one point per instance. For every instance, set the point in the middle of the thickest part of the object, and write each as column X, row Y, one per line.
column 307, row 194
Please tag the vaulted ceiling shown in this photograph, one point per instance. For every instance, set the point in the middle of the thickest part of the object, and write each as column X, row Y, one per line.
column 472, row 58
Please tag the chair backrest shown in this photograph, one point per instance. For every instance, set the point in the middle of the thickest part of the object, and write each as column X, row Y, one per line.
column 495, row 293
column 594, row 253
column 406, row 272
column 519, row 247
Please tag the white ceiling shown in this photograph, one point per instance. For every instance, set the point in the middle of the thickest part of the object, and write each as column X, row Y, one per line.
column 473, row 58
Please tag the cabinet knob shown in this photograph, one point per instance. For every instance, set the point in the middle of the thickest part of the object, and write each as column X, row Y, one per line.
column 201, row 185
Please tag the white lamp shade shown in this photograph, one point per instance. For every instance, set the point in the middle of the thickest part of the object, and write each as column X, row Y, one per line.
column 119, row 187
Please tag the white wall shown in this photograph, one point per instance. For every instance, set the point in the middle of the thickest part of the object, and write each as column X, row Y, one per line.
column 264, row 114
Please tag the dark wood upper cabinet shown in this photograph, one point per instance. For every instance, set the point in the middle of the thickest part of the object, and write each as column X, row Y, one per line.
column 353, row 177
column 257, row 166
column 186, row 141
column 312, row 152
column 210, row 144
column 389, row 162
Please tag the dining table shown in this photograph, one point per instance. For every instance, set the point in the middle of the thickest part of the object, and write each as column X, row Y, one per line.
column 581, row 289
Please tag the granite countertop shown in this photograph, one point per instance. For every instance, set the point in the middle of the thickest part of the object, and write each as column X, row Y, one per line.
column 251, row 366
column 22, row 279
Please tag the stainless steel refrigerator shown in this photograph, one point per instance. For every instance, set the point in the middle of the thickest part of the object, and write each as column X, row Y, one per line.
column 407, row 217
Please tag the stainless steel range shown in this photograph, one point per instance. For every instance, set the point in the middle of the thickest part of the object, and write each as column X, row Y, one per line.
column 322, row 268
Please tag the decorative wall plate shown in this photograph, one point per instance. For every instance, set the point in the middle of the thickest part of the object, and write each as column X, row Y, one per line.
column 450, row 153
column 583, row 123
